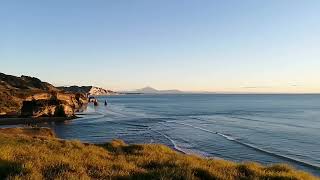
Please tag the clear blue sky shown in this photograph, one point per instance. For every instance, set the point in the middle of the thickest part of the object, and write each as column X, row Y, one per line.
column 206, row 45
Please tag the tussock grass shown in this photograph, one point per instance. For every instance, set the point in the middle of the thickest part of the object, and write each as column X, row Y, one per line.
column 32, row 131
column 38, row 157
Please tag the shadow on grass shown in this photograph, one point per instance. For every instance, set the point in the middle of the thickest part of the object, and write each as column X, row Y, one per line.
column 8, row 168
column 55, row 170
column 154, row 169
column 173, row 173
column 120, row 147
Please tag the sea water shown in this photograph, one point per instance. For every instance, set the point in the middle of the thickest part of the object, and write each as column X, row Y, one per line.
column 261, row 128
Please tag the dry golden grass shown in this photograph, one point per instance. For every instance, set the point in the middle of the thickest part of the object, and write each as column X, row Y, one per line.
column 39, row 157
column 28, row 131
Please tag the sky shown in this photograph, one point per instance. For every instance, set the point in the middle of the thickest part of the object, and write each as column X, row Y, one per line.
column 191, row 45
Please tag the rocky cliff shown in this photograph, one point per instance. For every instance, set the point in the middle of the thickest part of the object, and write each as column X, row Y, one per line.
column 89, row 90
column 29, row 96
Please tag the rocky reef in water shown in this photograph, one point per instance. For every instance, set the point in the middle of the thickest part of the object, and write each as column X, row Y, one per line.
column 30, row 97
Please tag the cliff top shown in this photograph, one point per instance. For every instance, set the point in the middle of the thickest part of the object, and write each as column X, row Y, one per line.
column 24, row 83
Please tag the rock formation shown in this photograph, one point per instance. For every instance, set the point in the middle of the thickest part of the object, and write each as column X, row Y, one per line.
column 89, row 90
column 28, row 96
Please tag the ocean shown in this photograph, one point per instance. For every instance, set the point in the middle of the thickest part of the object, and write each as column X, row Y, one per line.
column 266, row 129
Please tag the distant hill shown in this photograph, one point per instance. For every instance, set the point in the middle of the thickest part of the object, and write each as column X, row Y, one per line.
column 150, row 90
column 24, row 82
column 91, row 90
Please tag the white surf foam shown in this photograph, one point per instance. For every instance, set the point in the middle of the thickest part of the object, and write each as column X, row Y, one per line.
column 171, row 140
column 230, row 138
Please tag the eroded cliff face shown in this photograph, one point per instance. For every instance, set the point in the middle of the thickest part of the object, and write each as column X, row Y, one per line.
column 53, row 105
column 89, row 90
column 9, row 104
column 28, row 96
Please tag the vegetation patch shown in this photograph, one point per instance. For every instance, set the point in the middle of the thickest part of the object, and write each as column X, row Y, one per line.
column 31, row 155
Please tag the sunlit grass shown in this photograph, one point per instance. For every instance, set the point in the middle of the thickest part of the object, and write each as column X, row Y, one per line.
column 41, row 157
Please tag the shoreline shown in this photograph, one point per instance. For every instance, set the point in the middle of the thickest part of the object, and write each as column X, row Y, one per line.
column 31, row 120
column 28, row 121
column 151, row 157
column 62, row 119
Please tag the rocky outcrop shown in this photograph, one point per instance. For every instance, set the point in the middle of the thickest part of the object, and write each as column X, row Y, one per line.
column 89, row 90
column 9, row 104
column 28, row 96
column 53, row 105
column 46, row 108
column 96, row 91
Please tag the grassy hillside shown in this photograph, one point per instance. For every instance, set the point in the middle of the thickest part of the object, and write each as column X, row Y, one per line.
column 36, row 154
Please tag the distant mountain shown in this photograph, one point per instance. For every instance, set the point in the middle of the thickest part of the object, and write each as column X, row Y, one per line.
column 150, row 90
column 147, row 90
column 91, row 90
